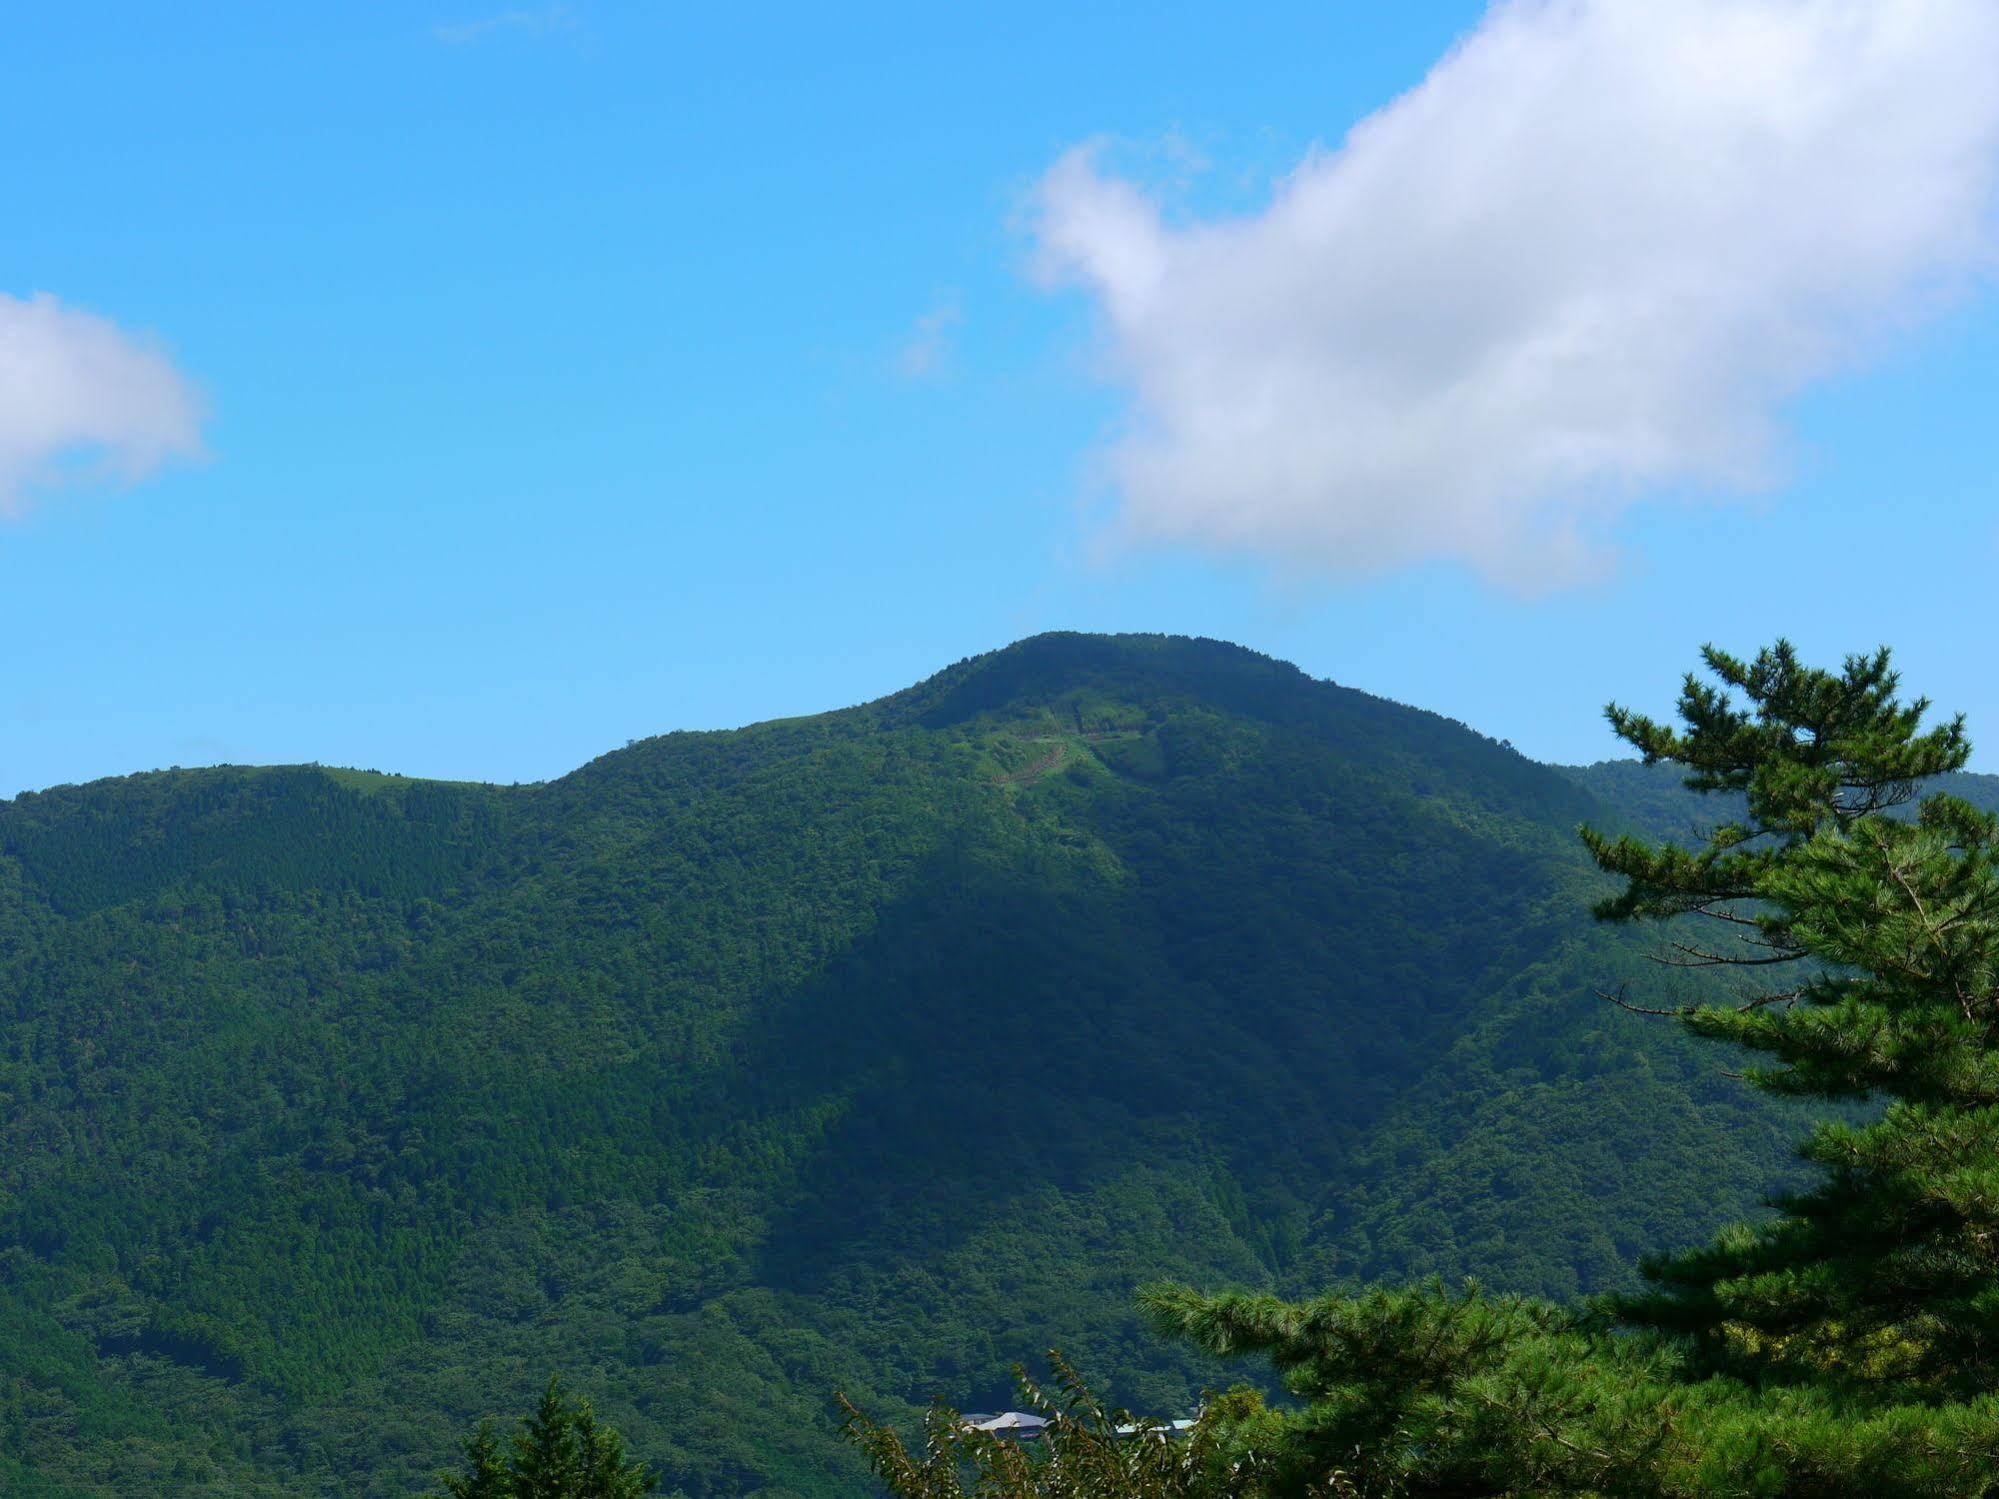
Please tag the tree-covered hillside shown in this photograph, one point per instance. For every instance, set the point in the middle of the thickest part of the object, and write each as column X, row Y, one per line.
column 876, row 1050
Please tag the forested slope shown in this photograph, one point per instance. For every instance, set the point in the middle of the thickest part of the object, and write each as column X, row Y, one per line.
column 876, row 1050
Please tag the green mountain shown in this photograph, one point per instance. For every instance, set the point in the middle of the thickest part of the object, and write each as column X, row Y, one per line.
column 877, row 1050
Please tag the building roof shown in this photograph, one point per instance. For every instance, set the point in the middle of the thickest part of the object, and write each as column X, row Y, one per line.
column 1017, row 1421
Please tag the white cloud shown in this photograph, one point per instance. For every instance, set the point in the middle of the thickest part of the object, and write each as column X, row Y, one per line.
column 1588, row 258
column 74, row 386
column 927, row 351
column 534, row 22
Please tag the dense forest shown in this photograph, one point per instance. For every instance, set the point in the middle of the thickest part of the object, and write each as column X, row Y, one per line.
column 874, row 1051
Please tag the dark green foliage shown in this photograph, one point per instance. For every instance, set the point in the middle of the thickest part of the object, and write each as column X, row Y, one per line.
column 1433, row 1393
column 1885, row 935
column 1845, row 1346
column 560, row 1451
column 486, row 1474
column 875, row 1051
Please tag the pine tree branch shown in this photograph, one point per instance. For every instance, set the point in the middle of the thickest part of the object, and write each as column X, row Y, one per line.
column 1622, row 1003
column 1700, row 957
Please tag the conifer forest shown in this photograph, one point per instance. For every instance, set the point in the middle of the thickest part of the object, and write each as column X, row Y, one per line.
column 1136, row 997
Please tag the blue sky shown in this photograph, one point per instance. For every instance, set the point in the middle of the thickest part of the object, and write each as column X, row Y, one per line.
column 568, row 374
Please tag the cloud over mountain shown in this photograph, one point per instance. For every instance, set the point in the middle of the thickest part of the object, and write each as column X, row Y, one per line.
column 76, row 387
column 1586, row 259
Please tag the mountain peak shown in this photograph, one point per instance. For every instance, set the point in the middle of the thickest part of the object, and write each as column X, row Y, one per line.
column 1041, row 669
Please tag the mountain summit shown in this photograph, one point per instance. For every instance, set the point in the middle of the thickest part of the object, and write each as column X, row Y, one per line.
column 879, row 1049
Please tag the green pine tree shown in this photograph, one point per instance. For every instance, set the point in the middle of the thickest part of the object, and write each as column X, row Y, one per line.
column 1845, row 1347
column 558, row 1452
column 1875, row 942
column 485, row 1476
column 545, row 1462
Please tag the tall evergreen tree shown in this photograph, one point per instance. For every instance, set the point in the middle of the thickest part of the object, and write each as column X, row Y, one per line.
column 1846, row 1346
column 485, row 1475
column 546, row 1464
column 1881, row 934
column 558, row 1452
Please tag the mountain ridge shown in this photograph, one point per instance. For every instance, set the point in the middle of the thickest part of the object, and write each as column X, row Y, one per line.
column 897, row 708
column 875, row 1049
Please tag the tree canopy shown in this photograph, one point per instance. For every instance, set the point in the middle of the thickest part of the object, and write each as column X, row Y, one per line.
column 557, row 1451
column 875, row 1050
column 1846, row 1344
